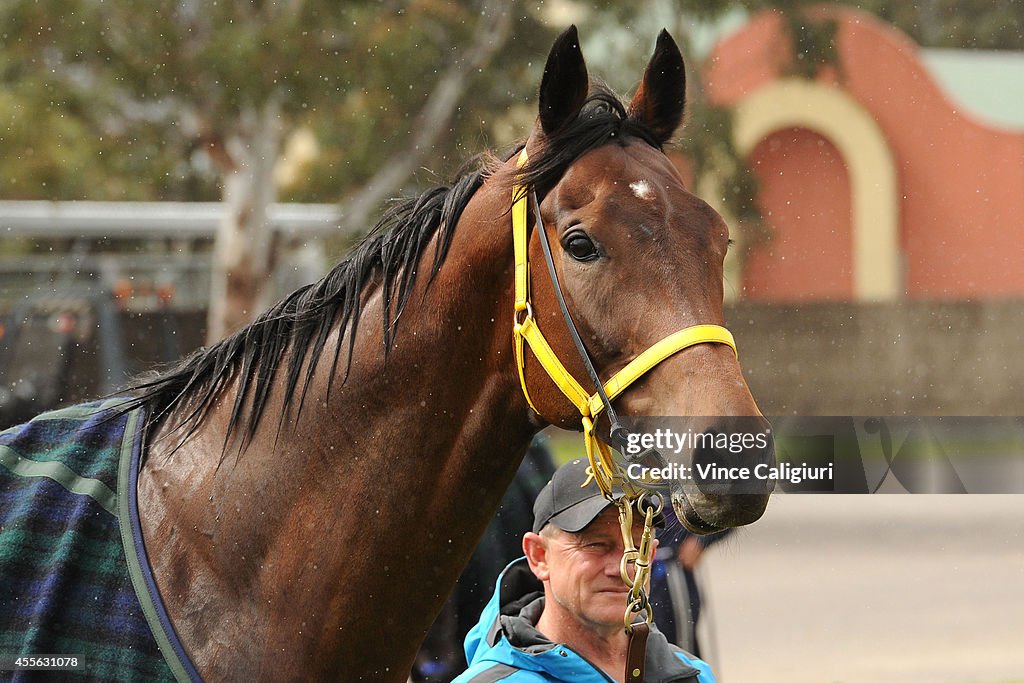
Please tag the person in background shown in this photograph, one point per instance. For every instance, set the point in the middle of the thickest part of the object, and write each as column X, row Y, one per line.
column 675, row 592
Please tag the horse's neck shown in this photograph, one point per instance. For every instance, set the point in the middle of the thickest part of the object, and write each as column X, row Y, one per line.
column 365, row 504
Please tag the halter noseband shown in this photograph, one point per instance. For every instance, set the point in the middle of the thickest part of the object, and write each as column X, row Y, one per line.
column 589, row 405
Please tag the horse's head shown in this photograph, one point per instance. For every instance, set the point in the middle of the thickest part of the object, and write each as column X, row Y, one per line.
column 638, row 258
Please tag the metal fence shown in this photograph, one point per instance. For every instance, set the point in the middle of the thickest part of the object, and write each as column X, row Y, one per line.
column 94, row 292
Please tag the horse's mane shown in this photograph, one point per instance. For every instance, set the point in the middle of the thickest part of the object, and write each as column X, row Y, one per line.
column 387, row 257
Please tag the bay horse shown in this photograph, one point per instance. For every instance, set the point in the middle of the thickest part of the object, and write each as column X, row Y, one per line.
column 311, row 486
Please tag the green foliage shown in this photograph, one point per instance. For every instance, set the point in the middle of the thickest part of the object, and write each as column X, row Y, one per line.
column 814, row 43
column 69, row 127
column 124, row 99
column 988, row 25
column 708, row 143
column 976, row 24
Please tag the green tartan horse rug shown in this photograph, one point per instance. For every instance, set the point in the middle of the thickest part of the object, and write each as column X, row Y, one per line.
column 74, row 578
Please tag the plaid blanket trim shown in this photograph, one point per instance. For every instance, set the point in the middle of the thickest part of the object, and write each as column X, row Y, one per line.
column 94, row 452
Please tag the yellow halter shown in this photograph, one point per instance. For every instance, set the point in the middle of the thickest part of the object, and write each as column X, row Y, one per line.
column 590, row 405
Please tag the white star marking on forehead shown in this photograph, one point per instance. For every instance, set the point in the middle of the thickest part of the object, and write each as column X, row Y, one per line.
column 642, row 189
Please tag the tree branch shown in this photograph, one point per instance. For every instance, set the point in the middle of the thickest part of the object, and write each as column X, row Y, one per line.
column 492, row 32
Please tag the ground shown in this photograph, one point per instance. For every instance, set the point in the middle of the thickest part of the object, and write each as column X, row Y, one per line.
column 873, row 589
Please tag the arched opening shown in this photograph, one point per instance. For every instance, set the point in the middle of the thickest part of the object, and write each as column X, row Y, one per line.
column 805, row 200
column 876, row 265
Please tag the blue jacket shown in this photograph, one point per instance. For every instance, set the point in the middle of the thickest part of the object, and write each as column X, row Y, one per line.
column 505, row 645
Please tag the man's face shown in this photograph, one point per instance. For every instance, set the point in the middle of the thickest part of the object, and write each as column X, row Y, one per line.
column 582, row 571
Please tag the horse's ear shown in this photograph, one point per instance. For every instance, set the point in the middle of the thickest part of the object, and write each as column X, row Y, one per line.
column 564, row 87
column 661, row 97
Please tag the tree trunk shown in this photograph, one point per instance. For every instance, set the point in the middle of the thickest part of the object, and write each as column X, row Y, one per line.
column 243, row 253
column 244, row 249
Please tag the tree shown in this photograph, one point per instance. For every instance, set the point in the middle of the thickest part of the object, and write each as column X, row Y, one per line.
column 995, row 25
column 218, row 86
column 176, row 99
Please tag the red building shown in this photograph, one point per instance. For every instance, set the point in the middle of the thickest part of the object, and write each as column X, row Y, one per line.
column 875, row 184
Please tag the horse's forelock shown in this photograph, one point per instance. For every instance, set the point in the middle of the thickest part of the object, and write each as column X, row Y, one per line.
column 603, row 120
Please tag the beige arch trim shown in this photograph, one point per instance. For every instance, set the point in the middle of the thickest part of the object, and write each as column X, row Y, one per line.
column 828, row 111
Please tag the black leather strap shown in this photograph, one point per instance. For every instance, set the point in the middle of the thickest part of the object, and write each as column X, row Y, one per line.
column 573, row 332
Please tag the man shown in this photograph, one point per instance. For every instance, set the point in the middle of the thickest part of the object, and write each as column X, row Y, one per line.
column 556, row 615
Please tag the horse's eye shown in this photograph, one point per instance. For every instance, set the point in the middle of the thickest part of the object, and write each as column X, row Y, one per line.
column 580, row 247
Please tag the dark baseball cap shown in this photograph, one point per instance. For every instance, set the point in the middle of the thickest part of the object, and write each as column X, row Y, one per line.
column 569, row 505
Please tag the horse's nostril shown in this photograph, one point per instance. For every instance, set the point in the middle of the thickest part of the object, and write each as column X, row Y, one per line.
column 734, row 458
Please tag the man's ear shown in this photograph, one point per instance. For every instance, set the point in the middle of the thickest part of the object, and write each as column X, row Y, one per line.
column 565, row 84
column 659, row 101
column 535, row 548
